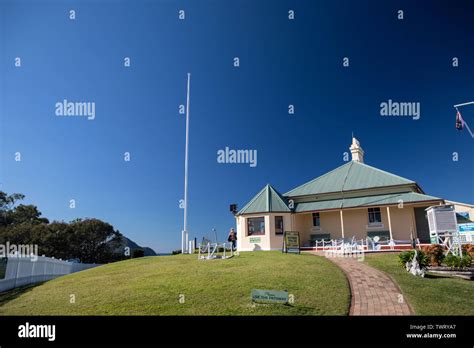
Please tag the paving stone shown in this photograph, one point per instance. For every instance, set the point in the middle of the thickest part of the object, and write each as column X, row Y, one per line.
column 373, row 292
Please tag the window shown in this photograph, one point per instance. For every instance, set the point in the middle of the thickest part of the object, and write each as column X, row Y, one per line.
column 278, row 224
column 316, row 220
column 256, row 226
column 375, row 217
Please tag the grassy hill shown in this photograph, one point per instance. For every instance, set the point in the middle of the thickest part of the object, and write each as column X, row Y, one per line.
column 153, row 286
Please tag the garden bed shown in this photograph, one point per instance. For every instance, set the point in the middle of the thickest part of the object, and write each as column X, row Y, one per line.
column 431, row 295
column 448, row 271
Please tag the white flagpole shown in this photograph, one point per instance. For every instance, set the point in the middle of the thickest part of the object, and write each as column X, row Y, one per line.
column 184, row 235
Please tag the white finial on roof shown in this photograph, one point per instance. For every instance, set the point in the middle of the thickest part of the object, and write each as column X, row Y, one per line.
column 356, row 151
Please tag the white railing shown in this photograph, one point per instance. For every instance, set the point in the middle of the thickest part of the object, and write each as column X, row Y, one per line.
column 208, row 251
column 353, row 245
column 24, row 270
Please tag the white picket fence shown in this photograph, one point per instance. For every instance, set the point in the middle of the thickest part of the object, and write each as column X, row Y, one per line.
column 367, row 244
column 24, row 270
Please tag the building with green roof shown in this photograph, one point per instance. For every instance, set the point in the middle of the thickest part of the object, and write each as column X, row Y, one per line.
column 353, row 201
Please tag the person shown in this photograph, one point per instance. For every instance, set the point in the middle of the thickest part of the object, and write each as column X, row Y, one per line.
column 232, row 238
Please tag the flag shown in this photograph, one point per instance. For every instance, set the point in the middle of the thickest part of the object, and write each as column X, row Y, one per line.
column 459, row 121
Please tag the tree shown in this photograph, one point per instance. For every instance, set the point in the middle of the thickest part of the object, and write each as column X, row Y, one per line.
column 26, row 214
column 93, row 240
column 6, row 204
column 7, row 201
column 89, row 240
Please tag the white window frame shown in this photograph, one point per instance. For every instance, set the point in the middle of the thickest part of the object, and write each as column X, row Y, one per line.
column 376, row 224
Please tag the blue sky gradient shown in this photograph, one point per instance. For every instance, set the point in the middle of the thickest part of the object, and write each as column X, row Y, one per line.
column 282, row 62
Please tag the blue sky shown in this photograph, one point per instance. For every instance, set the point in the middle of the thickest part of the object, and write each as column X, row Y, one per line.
column 282, row 62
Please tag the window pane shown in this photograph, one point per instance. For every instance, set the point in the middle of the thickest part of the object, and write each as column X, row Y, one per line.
column 378, row 218
column 316, row 220
column 278, row 224
column 256, row 226
column 374, row 215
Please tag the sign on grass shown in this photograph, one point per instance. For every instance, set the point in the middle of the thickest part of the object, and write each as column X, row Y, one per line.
column 291, row 242
column 269, row 296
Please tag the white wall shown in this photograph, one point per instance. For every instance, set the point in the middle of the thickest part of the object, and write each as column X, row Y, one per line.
column 268, row 241
column 23, row 270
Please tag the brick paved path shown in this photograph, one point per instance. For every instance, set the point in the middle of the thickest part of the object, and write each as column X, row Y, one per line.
column 373, row 292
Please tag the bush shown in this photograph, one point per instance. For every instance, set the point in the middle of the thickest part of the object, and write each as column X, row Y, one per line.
column 407, row 256
column 435, row 254
column 459, row 262
column 468, row 248
column 176, row 252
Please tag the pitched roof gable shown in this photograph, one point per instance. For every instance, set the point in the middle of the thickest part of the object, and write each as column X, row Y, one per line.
column 267, row 200
column 350, row 176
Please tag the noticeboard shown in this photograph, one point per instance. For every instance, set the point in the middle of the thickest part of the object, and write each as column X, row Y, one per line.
column 291, row 242
column 442, row 219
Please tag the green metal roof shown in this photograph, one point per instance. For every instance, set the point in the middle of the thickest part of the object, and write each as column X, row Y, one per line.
column 394, row 198
column 267, row 200
column 350, row 176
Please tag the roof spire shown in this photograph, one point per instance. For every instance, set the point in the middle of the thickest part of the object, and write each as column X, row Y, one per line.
column 356, row 150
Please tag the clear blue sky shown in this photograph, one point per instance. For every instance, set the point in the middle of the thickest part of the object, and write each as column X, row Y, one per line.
column 282, row 62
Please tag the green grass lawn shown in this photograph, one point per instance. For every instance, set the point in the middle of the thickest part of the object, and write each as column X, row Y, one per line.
column 432, row 295
column 153, row 285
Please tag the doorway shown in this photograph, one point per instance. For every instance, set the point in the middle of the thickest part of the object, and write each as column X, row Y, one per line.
column 422, row 227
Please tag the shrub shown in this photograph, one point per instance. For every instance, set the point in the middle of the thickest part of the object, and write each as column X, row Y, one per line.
column 468, row 248
column 176, row 252
column 459, row 262
column 407, row 256
column 435, row 254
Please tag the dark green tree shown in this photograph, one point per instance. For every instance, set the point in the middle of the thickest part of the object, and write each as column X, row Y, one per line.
column 26, row 214
column 6, row 205
column 89, row 240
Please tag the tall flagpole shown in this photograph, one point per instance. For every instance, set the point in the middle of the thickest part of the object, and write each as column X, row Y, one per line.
column 184, row 235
